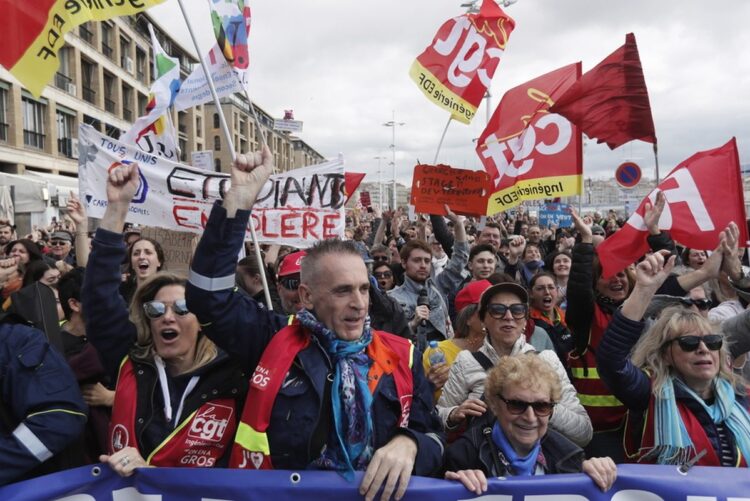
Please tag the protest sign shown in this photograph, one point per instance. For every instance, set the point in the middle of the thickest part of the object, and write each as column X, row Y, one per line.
column 364, row 198
column 177, row 247
column 465, row 191
column 294, row 208
column 555, row 214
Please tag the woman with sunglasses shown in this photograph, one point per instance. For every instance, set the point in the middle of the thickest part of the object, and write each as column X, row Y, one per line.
column 384, row 275
column 177, row 396
column 503, row 311
column 685, row 404
column 515, row 438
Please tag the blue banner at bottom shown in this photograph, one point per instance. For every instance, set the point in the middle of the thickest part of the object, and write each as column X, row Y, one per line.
column 634, row 483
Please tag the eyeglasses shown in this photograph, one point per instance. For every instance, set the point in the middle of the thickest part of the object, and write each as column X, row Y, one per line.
column 289, row 283
column 690, row 343
column 379, row 258
column 382, row 274
column 58, row 243
column 156, row 309
column 701, row 304
column 518, row 407
column 498, row 310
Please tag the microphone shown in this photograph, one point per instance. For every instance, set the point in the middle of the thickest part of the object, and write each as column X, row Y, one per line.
column 423, row 299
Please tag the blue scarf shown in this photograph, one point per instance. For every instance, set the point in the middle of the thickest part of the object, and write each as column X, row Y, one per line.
column 522, row 466
column 351, row 399
column 672, row 444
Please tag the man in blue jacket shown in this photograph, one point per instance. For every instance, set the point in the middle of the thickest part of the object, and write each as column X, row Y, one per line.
column 41, row 411
column 329, row 392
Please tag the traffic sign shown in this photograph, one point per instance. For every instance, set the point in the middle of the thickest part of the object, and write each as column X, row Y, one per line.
column 628, row 174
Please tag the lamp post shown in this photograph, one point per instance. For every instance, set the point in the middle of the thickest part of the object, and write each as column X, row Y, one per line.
column 392, row 124
column 380, row 180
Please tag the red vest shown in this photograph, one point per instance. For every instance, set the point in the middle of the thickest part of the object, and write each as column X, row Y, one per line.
column 604, row 409
column 390, row 355
column 639, row 442
column 198, row 441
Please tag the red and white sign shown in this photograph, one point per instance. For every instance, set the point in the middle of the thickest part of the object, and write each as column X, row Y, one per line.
column 210, row 423
column 530, row 153
column 628, row 174
column 456, row 70
column 704, row 194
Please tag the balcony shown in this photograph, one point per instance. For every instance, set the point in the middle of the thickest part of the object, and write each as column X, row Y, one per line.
column 62, row 81
column 109, row 105
column 107, row 51
column 86, row 34
column 127, row 115
column 89, row 95
column 33, row 139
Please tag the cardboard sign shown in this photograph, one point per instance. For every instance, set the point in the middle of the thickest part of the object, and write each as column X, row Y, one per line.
column 364, row 199
column 177, row 245
column 555, row 214
column 465, row 191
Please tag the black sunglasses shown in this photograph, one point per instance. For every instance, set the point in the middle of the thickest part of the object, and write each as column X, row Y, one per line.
column 690, row 343
column 156, row 309
column 382, row 274
column 289, row 283
column 498, row 310
column 701, row 304
column 517, row 407
column 380, row 258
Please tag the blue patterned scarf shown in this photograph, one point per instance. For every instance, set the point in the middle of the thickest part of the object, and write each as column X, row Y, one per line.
column 522, row 466
column 350, row 398
column 672, row 443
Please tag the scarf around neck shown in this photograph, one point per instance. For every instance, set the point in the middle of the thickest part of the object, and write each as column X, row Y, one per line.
column 351, row 399
column 523, row 466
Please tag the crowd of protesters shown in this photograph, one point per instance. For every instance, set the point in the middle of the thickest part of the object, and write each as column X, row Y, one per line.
column 439, row 347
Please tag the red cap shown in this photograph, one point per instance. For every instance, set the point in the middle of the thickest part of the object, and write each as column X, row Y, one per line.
column 471, row 294
column 291, row 264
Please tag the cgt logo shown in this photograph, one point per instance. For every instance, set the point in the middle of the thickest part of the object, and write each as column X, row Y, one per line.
column 211, row 423
column 142, row 191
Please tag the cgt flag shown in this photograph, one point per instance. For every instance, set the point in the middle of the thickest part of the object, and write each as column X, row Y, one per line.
column 456, row 70
column 528, row 152
column 610, row 102
column 703, row 194
column 33, row 32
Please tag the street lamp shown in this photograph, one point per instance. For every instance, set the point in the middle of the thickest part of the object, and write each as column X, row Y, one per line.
column 380, row 180
column 392, row 124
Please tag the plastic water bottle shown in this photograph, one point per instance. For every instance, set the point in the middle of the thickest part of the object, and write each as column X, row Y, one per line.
column 436, row 355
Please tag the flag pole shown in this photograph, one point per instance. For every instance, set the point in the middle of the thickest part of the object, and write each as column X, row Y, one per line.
column 656, row 160
column 230, row 144
column 442, row 138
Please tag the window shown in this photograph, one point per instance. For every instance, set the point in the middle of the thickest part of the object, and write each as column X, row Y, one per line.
column 127, row 103
column 125, row 54
column 109, row 92
column 198, row 127
column 62, row 77
column 87, row 80
column 216, row 120
column 142, row 103
column 140, row 65
column 217, row 165
column 107, row 44
column 86, row 32
column 3, row 113
column 112, row 131
column 217, row 143
column 33, row 123
column 65, row 125
column 95, row 123
column 183, row 150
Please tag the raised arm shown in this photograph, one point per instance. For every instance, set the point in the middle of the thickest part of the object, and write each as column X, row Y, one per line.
column 77, row 213
column 580, row 294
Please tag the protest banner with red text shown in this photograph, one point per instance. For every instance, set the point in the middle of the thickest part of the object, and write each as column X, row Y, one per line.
column 464, row 191
column 456, row 70
column 530, row 153
column 703, row 195
column 33, row 32
column 295, row 208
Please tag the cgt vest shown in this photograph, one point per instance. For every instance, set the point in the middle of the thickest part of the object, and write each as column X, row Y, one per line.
column 639, row 442
column 390, row 355
column 604, row 409
column 200, row 440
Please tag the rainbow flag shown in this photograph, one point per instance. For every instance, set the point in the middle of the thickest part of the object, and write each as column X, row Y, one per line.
column 33, row 32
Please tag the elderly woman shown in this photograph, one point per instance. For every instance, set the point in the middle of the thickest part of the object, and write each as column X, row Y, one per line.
column 685, row 404
column 177, row 396
column 503, row 311
column 515, row 440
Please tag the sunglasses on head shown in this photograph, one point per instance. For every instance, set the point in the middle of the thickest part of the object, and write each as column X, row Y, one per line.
column 517, row 407
column 701, row 304
column 289, row 283
column 382, row 274
column 498, row 310
column 156, row 309
column 690, row 343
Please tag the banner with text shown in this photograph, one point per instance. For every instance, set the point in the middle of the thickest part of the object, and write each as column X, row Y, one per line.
column 554, row 214
column 634, row 482
column 294, row 208
column 530, row 153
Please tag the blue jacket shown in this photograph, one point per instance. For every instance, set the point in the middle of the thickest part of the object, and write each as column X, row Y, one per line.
column 236, row 323
column 42, row 409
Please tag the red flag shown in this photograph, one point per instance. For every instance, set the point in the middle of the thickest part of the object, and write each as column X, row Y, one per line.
column 610, row 102
column 704, row 194
column 351, row 183
column 455, row 71
column 529, row 152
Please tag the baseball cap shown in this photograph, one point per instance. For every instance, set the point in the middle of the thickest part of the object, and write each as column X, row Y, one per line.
column 510, row 287
column 471, row 294
column 291, row 264
column 61, row 235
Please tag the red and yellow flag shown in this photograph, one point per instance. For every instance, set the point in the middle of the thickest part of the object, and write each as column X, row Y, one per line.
column 34, row 31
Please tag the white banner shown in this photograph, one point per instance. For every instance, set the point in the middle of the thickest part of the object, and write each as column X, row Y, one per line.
column 194, row 90
column 282, row 125
column 293, row 208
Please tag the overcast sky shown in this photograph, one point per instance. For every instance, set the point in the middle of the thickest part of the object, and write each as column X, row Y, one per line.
column 342, row 66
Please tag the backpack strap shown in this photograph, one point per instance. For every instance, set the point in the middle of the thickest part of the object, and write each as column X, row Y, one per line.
column 483, row 360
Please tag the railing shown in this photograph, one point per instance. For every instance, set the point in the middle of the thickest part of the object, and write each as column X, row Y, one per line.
column 65, row 146
column 86, row 35
column 62, row 81
column 3, row 132
column 89, row 95
column 107, row 51
column 127, row 114
column 109, row 105
column 33, row 139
